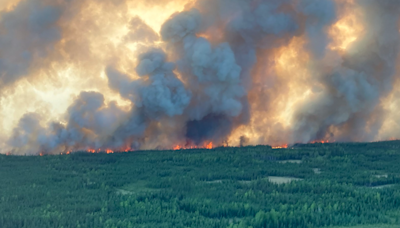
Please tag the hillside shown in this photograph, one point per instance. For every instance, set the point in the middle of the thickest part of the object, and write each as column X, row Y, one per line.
column 313, row 185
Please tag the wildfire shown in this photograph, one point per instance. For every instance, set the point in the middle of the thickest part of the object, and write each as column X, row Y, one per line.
column 209, row 146
column 206, row 145
column 177, row 147
column 321, row 141
column 346, row 31
column 312, row 142
column 280, row 147
column 108, row 151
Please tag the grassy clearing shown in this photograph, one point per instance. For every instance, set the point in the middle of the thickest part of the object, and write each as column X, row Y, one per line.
column 291, row 161
column 283, row 180
column 382, row 186
column 381, row 176
column 135, row 188
column 317, row 170
column 214, row 182
column 274, row 179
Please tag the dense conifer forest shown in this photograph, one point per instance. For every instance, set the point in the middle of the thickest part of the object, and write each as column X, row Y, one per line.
column 304, row 186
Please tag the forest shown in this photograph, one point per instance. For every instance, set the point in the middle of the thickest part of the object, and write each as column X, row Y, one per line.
column 303, row 186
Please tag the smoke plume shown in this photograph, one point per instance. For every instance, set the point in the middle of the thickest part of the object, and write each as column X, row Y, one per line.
column 120, row 75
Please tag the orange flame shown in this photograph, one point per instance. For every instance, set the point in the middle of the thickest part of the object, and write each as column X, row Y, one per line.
column 108, row 151
column 177, row 147
column 206, row 145
column 209, row 146
column 321, row 141
column 280, row 147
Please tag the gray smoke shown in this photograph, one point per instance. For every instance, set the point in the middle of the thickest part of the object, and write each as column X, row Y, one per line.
column 158, row 92
column 27, row 35
column 140, row 32
column 353, row 89
column 90, row 122
column 319, row 14
column 204, row 82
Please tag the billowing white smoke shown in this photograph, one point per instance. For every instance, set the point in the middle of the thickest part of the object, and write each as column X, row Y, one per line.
column 348, row 104
column 195, row 87
column 212, row 72
column 158, row 92
column 89, row 121
column 27, row 35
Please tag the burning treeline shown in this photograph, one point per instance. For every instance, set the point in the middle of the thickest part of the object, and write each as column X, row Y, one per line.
column 120, row 75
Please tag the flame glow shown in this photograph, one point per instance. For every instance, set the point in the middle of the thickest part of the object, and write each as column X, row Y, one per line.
column 280, row 147
column 206, row 145
column 347, row 29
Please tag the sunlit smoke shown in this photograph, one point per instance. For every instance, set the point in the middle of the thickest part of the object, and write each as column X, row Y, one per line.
column 348, row 28
column 117, row 76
